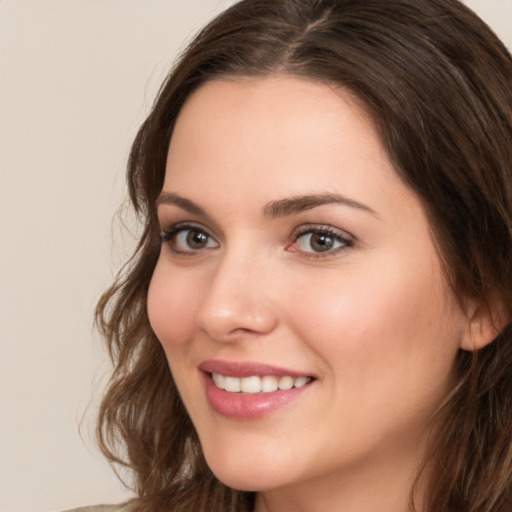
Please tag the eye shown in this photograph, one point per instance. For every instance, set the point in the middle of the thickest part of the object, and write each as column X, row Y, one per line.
column 320, row 241
column 188, row 239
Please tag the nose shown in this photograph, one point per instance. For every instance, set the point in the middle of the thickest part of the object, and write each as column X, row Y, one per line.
column 238, row 301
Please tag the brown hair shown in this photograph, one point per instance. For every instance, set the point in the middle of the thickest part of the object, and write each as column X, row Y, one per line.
column 438, row 85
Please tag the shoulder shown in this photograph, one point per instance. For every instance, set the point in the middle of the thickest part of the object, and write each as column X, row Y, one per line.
column 101, row 508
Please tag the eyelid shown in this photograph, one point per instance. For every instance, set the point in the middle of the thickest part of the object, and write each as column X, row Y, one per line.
column 169, row 234
column 174, row 227
column 346, row 239
column 321, row 228
column 339, row 234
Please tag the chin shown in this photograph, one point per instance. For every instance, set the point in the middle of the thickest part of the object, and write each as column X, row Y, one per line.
column 245, row 480
column 247, row 473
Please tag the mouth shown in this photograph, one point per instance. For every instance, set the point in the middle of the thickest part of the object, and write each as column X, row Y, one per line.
column 248, row 391
column 256, row 385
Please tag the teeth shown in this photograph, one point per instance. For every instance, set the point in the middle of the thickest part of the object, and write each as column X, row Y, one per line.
column 232, row 384
column 301, row 381
column 252, row 385
column 269, row 384
column 285, row 383
column 218, row 379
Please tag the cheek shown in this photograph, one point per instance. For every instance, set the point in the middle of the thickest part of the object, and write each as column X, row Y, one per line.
column 387, row 323
column 171, row 307
column 387, row 348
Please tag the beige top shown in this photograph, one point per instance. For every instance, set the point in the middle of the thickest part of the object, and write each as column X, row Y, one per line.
column 101, row 508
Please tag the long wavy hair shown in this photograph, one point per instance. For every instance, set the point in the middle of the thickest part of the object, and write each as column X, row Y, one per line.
column 438, row 84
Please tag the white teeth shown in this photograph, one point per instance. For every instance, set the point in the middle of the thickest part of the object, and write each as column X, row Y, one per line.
column 301, row 381
column 285, row 383
column 218, row 379
column 232, row 384
column 269, row 384
column 252, row 385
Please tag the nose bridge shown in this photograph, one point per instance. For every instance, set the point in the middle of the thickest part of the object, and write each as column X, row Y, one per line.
column 238, row 298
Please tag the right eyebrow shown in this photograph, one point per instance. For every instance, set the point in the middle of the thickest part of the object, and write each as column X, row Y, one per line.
column 297, row 204
column 181, row 202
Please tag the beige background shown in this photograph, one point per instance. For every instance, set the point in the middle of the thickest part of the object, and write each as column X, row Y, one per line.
column 77, row 77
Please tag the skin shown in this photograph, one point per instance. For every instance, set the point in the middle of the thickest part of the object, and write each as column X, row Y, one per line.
column 373, row 321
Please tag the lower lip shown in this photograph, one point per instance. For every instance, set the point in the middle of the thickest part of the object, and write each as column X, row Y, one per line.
column 244, row 406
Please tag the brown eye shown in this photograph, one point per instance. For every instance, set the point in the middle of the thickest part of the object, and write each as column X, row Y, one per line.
column 189, row 240
column 196, row 239
column 321, row 242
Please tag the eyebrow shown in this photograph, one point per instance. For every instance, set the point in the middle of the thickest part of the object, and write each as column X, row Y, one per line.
column 181, row 202
column 274, row 209
column 297, row 204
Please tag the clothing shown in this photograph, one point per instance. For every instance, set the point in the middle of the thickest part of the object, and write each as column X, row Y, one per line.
column 101, row 508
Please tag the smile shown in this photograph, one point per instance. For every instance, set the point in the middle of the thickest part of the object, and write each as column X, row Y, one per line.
column 255, row 384
column 249, row 391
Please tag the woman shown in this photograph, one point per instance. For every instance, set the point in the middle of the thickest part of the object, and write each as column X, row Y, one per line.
column 317, row 314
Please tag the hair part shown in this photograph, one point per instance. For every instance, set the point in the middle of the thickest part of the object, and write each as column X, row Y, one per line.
column 437, row 83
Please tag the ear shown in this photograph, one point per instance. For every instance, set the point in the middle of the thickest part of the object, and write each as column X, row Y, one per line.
column 486, row 320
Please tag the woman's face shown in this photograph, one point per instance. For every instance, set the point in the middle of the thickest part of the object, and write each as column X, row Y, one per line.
column 293, row 255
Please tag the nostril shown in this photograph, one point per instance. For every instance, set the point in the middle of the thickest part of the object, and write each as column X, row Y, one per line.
column 236, row 320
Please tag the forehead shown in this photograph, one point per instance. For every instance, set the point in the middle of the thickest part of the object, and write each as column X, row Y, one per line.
column 276, row 137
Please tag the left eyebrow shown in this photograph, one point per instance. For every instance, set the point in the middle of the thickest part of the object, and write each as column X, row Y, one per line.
column 297, row 204
column 180, row 202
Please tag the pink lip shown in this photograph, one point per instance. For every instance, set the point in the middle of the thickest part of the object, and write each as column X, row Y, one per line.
column 246, row 369
column 247, row 406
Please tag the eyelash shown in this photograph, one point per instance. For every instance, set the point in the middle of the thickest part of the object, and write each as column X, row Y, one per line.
column 314, row 229
column 171, row 234
column 310, row 229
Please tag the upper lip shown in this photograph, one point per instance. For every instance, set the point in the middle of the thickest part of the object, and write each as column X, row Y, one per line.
column 242, row 369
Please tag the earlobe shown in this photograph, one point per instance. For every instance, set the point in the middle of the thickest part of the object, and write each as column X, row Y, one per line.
column 485, row 322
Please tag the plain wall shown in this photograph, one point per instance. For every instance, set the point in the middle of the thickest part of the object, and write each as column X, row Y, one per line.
column 76, row 79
